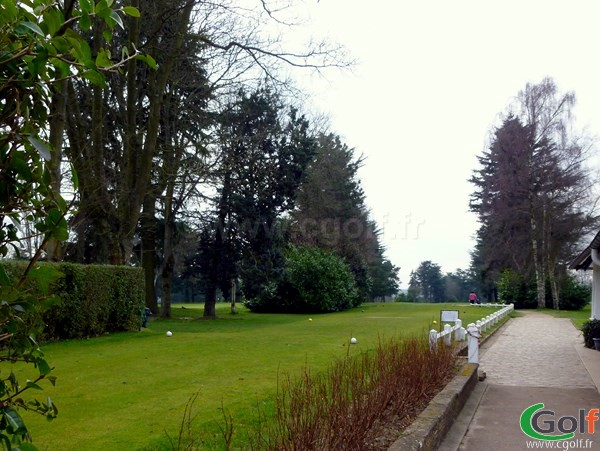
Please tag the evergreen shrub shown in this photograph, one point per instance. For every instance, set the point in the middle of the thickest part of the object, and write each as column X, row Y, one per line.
column 521, row 290
column 591, row 330
column 94, row 299
column 314, row 280
column 574, row 294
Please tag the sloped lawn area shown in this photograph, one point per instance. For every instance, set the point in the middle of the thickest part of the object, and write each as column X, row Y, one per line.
column 129, row 391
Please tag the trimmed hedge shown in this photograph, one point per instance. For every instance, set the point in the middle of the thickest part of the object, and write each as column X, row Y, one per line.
column 94, row 299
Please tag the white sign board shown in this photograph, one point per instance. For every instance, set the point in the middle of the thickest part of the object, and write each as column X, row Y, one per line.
column 449, row 316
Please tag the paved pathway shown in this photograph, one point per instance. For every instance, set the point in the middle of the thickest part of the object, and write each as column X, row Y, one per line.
column 533, row 359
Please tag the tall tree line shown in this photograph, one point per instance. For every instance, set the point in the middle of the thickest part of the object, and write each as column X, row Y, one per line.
column 155, row 145
column 532, row 193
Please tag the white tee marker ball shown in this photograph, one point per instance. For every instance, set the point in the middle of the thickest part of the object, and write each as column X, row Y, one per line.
column 353, row 340
column 169, row 333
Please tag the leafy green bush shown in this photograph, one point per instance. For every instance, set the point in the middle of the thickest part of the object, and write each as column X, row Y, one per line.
column 517, row 289
column 521, row 290
column 591, row 330
column 314, row 280
column 574, row 295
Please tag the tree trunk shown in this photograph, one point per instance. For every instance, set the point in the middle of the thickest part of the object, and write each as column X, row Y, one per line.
column 167, row 278
column 210, row 300
column 555, row 290
column 538, row 266
column 233, row 289
column 148, row 230
column 139, row 172
column 169, row 259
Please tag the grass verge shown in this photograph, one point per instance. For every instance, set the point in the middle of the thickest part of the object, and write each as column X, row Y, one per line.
column 578, row 317
column 128, row 391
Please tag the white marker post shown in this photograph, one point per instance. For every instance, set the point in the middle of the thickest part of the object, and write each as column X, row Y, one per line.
column 473, row 333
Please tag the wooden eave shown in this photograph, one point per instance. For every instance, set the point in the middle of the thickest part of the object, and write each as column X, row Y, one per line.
column 584, row 260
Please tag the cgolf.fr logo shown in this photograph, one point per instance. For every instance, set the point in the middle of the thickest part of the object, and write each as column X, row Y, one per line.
column 542, row 424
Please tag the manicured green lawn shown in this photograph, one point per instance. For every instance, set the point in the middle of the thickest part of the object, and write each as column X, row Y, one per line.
column 127, row 391
column 578, row 316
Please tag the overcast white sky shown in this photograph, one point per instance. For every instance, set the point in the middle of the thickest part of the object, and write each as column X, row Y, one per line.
column 432, row 78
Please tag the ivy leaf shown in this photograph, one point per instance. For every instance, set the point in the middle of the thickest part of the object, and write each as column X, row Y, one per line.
column 33, row 27
column 103, row 59
column 151, row 62
column 74, row 178
column 33, row 385
column 85, row 22
column 43, row 367
column 117, row 19
column 53, row 20
column 86, row 6
column 95, row 77
column 131, row 11
column 107, row 35
column 103, row 10
column 14, row 420
column 44, row 276
column 42, row 148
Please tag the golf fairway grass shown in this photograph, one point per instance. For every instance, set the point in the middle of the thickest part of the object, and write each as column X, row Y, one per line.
column 128, row 391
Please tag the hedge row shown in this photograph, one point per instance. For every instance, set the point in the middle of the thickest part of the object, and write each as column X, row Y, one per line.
column 94, row 299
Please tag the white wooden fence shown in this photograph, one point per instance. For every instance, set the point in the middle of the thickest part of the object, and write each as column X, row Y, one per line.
column 473, row 332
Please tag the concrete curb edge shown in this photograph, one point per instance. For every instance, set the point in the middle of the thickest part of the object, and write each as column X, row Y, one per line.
column 430, row 427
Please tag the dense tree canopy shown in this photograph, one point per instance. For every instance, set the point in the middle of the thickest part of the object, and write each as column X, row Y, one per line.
column 332, row 214
column 262, row 161
column 426, row 283
column 179, row 132
column 531, row 193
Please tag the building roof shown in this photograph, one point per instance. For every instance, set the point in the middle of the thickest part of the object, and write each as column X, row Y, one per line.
column 584, row 260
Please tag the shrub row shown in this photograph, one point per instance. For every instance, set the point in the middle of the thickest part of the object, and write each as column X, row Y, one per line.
column 522, row 291
column 94, row 299
column 340, row 408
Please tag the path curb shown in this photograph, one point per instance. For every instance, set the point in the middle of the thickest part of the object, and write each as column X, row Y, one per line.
column 429, row 429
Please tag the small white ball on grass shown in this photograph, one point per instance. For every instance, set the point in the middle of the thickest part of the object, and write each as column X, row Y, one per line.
column 353, row 340
column 169, row 333
column 310, row 319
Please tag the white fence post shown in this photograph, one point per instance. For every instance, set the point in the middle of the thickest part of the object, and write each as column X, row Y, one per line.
column 433, row 339
column 448, row 336
column 459, row 331
column 473, row 333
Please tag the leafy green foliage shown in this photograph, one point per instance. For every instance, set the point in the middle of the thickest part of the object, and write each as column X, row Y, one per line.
column 521, row 290
column 591, row 330
column 20, row 324
column 574, row 294
column 94, row 299
column 314, row 280
column 266, row 149
column 426, row 282
column 38, row 46
column 517, row 289
column 331, row 213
